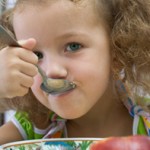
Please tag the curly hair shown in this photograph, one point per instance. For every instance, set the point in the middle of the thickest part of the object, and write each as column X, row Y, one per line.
column 130, row 36
column 129, row 27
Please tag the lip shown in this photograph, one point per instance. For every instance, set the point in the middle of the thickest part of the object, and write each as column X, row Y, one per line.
column 66, row 93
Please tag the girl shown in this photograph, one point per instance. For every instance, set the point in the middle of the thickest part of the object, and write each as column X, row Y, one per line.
column 100, row 45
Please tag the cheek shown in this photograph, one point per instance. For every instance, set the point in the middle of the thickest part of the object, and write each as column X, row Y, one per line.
column 38, row 93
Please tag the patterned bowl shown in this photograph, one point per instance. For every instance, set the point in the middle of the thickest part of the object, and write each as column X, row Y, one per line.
column 136, row 142
column 53, row 144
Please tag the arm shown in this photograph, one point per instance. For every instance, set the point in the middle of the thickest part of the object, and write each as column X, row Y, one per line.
column 9, row 133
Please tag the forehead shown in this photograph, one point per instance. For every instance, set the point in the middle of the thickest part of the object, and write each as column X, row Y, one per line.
column 65, row 10
column 21, row 4
column 56, row 19
column 70, row 6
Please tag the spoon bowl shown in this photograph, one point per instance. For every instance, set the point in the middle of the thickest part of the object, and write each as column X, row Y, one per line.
column 55, row 86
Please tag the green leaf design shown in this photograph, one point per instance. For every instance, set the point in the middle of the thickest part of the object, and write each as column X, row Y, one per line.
column 85, row 144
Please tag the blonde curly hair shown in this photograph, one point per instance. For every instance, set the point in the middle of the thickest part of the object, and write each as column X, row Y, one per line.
column 128, row 22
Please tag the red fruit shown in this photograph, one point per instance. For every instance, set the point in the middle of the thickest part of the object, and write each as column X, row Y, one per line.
column 123, row 143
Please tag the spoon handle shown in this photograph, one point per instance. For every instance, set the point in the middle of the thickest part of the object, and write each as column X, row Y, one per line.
column 6, row 38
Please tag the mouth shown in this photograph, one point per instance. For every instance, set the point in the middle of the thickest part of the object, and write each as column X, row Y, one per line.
column 60, row 90
column 62, row 93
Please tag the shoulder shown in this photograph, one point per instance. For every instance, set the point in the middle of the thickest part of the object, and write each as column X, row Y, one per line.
column 9, row 133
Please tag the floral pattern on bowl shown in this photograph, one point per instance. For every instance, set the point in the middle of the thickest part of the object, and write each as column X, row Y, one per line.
column 52, row 144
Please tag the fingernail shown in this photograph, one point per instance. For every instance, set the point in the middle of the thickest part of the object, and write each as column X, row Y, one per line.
column 21, row 42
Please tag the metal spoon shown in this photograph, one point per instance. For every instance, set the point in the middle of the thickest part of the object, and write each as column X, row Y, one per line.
column 49, row 85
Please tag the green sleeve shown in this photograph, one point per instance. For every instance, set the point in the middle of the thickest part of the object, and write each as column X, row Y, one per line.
column 141, row 127
column 27, row 126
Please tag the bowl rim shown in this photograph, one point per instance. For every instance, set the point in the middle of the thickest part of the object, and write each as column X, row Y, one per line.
column 17, row 143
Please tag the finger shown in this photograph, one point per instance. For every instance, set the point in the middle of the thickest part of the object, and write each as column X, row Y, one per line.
column 14, row 63
column 25, row 55
column 20, row 91
column 20, row 78
column 26, row 81
column 28, row 69
column 28, row 44
column 23, row 91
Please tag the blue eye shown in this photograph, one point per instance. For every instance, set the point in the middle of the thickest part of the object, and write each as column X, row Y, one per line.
column 73, row 47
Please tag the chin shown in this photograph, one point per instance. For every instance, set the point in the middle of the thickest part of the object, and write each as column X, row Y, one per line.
column 70, row 115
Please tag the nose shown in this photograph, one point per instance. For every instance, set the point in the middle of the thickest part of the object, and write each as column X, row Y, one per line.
column 55, row 68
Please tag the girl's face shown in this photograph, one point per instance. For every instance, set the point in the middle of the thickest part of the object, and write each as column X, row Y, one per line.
column 73, row 44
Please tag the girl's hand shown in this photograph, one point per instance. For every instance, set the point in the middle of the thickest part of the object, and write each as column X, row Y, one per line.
column 17, row 69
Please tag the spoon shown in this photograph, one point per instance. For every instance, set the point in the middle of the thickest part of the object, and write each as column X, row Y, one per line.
column 49, row 85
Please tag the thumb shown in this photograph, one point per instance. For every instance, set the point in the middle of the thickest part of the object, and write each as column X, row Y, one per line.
column 27, row 44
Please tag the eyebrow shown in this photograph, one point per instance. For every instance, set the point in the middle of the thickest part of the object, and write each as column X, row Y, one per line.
column 71, row 34
column 66, row 35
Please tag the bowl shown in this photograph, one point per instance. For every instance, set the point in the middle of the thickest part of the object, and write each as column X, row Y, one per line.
column 53, row 144
column 137, row 142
